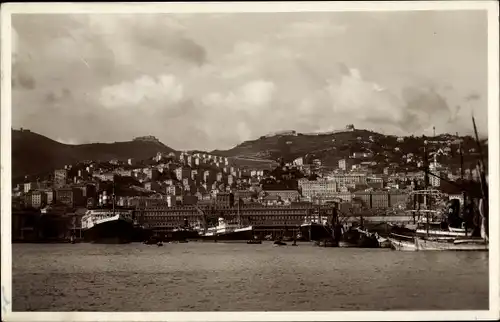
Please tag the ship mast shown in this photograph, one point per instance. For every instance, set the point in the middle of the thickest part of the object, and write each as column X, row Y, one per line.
column 238, row 214
column 113, row 196
column 426, row 186
column 484, row 207
column 464, row 195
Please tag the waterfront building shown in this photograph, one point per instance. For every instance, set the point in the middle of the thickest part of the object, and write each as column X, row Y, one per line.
column 291, row 195
column 380, row 200
column 35, row 199
column 224, row 199
column 265, row 219
column 70, row 197
column 344, row 179
column 318, row 188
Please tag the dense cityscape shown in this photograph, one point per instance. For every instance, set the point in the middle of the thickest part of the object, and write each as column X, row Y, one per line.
column 167, row 190
column 202, row 160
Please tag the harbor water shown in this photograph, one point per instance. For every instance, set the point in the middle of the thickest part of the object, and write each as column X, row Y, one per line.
column 239, row 277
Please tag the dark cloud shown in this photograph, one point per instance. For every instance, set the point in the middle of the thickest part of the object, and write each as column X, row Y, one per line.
column 423, row 107
column 67, row 67
column 23, row 80
column 188, row 49
column 472, row 97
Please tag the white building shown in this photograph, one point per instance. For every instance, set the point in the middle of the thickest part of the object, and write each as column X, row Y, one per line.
column 319, row 188
column 299, row 161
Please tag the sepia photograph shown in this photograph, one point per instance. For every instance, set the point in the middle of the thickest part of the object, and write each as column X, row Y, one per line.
column 250, row 157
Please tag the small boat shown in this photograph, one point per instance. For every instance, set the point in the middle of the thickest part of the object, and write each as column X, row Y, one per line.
column 420, row 244
column 326, row 243
column 153, row 240
column 279, row 243
column 384, row 242
column 159, row 244
column 346, row 244
column 254, row 242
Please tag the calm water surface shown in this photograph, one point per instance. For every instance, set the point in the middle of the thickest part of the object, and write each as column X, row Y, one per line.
column 233, row 277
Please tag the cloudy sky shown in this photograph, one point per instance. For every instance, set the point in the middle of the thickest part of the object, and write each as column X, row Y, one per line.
column 207, row 81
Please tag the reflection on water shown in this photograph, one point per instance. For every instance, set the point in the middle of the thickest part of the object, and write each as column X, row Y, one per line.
column 234, row 277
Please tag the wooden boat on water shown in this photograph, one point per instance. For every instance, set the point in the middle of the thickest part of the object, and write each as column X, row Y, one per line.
column 279, row 243
column 421, row 244
column 254, row 242
column 467, row 231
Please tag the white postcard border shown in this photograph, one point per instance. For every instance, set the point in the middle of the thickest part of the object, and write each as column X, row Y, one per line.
column 134, row 8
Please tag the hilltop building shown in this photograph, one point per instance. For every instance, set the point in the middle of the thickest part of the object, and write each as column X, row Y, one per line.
column 147, row 138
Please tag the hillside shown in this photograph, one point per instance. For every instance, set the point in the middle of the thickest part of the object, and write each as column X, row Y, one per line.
column 290, row 147
column 33, row 153
column 331, row 147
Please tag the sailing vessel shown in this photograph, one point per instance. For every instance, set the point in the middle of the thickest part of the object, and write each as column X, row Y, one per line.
column 435, row 231
column 445, row 235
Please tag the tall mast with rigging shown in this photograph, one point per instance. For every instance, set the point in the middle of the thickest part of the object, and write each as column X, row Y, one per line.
column 113, row 196
column 484, row 204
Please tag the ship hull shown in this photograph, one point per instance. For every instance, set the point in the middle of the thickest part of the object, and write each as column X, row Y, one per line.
column 315, row 232
column 239, row 234
column 419, row 244
column 111, row 232
column 355, row 238
column 181, row 235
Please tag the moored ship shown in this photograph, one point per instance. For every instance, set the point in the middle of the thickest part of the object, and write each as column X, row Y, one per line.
column 465, row 230
column 314, row 228
column 108, row 226
column 182, row 233
column 228, row 231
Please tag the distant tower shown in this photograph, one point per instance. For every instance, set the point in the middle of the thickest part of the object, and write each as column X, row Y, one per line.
column 434, row 130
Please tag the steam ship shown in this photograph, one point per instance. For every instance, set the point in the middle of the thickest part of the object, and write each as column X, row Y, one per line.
column 108, row 226
column 228, row 231
column 224, row 230
column 314, row 228
column 182, row 233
